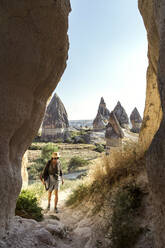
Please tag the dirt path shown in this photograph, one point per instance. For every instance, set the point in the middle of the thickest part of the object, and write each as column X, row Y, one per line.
column 77, row 221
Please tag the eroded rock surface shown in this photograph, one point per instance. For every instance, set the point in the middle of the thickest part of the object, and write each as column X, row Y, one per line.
column 121, row 115
column 114, row 133
column 153, row 13
column 24, row 172
column 153, row 110
column 102, row 116
column 29, row 233
column 55, row 122
column 33, row 52
column 136, row 121
column 99, row 122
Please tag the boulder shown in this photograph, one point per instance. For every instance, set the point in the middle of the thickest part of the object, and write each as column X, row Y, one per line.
column 114, row 133
column 27, row 233
column 33, row 50
column 121, row 115
column 55, row 121
column 102, row 116
column 136, row 121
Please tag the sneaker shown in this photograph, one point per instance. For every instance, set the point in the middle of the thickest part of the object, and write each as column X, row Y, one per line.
column 56, row 210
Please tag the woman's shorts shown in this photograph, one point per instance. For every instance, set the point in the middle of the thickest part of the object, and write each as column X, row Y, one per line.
column 53, row 183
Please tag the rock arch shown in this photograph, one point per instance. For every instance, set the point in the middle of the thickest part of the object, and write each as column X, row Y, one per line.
column 33, row 51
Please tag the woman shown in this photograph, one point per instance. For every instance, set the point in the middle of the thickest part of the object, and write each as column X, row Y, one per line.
column 50, row 177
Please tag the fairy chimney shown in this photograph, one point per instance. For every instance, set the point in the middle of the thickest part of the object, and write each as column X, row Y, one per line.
column 114, row 133
column 55, row 122
column 121, row 115
column 136, row 121
column 102, row 116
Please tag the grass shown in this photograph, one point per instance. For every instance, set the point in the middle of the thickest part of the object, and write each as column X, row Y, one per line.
column 76, row 162
column 108, row 171
column 79, row 193
column 38, row 189
column 70, row 184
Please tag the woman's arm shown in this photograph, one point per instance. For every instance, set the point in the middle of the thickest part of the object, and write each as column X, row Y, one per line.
column 61, row 174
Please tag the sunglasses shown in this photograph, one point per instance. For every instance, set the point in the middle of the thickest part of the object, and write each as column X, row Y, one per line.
column 55, row 158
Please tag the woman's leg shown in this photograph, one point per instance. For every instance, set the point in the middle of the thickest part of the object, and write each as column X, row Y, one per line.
column 55, row 198
column 49, row 198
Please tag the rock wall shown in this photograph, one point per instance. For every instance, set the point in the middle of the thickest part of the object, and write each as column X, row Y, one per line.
column 153, row 12
column 153, row 111
column 33, row 52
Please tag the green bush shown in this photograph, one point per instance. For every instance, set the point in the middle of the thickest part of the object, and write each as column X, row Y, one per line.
column 38, row 190
column 125, row 231
column 27, row 206
column 76, row 162
column 47, row 151
column 99, row 148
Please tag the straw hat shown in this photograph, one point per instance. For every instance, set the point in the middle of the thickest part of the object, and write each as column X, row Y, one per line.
column 55, row 155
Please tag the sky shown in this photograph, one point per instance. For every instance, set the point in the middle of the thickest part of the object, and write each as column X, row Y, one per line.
column 107, row 58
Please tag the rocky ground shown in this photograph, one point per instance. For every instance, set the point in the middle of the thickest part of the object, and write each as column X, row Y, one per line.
column 77, row 227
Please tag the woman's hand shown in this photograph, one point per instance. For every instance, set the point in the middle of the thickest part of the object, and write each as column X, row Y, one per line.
column 62, row 181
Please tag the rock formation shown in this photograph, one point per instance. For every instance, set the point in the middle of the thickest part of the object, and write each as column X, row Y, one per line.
column 55, row 122
column 136, row 121
column 114, row 133
column 121, row 115
column 153, row 13
column 25, row 233
column 34, row 50
column 103, row 109
column 102, row 116
column 99, row 122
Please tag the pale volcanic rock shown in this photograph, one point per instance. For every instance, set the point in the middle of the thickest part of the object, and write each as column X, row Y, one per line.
column 55, row 122
column 153, row 109
column 121, row 115
column 114, row 133
column 24, row 172
column 153, row 128
column 102, row 116
column 99, row 122
column 136, row 121
column 33, row 50
column 103, row 109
